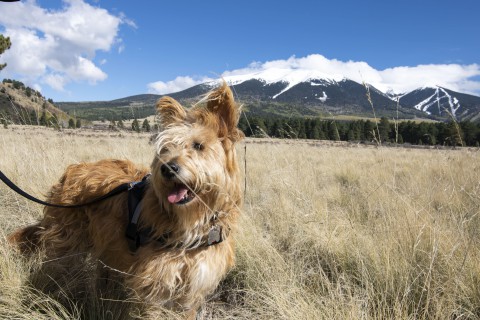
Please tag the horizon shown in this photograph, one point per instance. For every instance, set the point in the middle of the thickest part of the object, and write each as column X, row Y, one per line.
column 101, row 50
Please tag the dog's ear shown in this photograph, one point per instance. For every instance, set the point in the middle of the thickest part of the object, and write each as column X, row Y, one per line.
column 221, row 103
column 170, row 111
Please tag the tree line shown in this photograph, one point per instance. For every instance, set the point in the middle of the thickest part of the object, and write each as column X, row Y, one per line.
column 451, row 133
column 45, row 119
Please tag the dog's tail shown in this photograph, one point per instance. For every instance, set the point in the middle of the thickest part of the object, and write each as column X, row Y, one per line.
column 26, row 239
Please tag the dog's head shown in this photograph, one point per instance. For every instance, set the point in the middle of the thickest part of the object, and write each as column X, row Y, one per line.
column 195, row 166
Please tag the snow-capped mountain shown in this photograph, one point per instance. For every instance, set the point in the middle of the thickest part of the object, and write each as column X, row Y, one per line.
column 442, row 102
column 313, row 92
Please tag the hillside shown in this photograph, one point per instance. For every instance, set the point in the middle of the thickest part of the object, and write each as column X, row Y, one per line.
column 21, row 104
column 139, row 106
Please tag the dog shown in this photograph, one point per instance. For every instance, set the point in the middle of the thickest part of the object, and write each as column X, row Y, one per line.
column 190, row 206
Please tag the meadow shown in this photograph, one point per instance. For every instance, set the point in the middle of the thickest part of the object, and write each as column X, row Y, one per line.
column 329, row 231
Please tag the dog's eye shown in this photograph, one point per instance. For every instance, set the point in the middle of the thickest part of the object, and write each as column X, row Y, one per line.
column 198, row 146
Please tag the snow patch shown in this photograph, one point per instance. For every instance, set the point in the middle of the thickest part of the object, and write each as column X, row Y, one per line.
column 452, row 102
column 436, row 98
column 323, row 98
column 424, row 105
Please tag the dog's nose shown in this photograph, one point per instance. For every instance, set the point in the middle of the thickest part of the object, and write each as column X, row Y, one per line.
column 169, row 169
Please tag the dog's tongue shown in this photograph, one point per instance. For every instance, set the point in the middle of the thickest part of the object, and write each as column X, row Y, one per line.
column 177, row 194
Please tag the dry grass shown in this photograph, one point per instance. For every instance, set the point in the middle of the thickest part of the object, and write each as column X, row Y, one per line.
column 328, row 232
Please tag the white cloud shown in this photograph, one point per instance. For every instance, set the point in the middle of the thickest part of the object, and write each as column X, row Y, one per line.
column 56, row 47
column 452, row 76
column 178, row 84
column 399, row 79
column 86, row 69
column 55, row 81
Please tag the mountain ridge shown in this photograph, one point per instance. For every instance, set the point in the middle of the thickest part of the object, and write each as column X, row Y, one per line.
column 298, row 94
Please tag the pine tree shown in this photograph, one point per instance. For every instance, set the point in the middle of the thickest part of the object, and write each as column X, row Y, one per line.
column 78, row 124
column 455, row 134
column 316, row 128
column 400, row 139
column 333, row 133
column 369, row 129
column 71, row 124
column 257, row 128
column 135, row 125
column 350, row 135
column 384, row 129
column 470, row 132
column 146, row 125
column 302, row 132
column 120, row 124
column 4, row 45
column 277, row 129
column 43, row 119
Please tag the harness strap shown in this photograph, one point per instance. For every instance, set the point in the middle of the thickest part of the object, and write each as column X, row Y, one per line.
column 138, row 237
column 135, row 197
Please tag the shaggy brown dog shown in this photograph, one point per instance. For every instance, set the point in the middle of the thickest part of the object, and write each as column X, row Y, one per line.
column 194, row 188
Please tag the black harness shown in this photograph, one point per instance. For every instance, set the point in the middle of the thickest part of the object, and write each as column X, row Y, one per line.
column 138, row 237
column 135, row 195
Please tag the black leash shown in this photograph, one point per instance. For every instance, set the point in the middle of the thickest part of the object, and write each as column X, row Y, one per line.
column 14, row 187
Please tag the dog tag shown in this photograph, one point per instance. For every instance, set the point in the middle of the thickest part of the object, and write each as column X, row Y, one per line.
column 214, row 235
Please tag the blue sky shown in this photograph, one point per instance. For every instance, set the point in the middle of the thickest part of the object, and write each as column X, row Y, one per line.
column 81, row 50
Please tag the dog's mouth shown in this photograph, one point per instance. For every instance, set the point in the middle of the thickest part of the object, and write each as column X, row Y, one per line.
column 180, row 194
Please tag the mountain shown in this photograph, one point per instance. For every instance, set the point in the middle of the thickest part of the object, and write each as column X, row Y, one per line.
column 443, row 103
column 316, row 96
column 335, row 94
column 278, row 92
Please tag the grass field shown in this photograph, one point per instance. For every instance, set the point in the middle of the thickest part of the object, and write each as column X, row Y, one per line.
column 329, row 231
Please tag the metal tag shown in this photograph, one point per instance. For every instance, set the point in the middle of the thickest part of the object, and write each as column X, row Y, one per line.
column 214, row 235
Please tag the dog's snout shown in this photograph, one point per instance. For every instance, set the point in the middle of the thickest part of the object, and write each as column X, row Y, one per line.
column 169, row 169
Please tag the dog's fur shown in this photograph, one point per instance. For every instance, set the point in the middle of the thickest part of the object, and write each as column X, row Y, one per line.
column 200, row 142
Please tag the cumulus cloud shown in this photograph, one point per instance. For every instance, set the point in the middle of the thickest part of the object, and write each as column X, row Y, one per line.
column 452, row 76
column 178, row 84
column 398, row 79
column 56, row 47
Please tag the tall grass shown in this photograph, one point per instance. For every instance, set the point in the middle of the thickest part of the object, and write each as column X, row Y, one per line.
column 329, row 231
